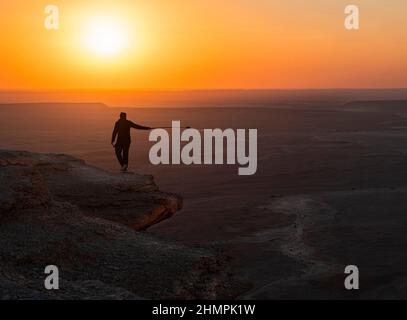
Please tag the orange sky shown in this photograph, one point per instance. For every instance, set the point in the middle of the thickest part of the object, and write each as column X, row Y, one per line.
column 193, row 44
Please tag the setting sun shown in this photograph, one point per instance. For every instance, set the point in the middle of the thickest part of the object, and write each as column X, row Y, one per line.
column 105, row 36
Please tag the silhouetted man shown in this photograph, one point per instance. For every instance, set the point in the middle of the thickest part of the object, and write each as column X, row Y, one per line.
column 122, row 131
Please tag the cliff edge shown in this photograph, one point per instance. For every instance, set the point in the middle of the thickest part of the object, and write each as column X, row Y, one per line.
column 57, row 210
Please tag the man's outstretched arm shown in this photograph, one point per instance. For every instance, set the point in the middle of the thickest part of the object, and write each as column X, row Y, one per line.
column 115, row 131
column 137, row 126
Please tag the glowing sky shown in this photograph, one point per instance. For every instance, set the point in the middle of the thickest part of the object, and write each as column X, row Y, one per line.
column 190, row 44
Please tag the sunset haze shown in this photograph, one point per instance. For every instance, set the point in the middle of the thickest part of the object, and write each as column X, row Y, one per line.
column 206, row 45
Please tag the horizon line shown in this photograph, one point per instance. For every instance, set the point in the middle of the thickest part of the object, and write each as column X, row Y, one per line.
column 195, row 90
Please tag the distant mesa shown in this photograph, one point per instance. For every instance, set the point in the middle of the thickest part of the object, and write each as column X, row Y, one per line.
column 54, row 106
column 378, row 105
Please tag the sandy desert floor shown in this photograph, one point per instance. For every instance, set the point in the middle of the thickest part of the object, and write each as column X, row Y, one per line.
column 330, row 190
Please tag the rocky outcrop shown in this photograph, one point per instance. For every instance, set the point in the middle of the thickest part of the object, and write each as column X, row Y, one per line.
column 56, row 210
column 129, row 199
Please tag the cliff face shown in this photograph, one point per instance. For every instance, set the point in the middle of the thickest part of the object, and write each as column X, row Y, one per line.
column 56, row 210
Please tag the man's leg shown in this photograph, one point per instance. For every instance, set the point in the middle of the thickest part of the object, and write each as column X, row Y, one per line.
column 126, row 154
column 118, row 149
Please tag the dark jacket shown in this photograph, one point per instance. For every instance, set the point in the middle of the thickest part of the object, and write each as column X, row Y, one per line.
column 122, row 131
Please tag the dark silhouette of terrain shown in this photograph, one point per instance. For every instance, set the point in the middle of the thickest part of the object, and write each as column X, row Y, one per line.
column 330, row 190
column 57, row 210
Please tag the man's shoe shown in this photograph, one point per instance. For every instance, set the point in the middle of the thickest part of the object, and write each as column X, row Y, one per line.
column 125, row 168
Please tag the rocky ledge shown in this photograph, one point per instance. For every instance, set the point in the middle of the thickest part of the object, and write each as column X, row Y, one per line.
column 57, row 210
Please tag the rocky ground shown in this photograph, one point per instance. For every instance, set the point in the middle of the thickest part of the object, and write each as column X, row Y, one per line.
column 57, row 210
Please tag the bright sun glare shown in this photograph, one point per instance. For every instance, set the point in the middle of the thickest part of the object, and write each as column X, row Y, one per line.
column 105, row 36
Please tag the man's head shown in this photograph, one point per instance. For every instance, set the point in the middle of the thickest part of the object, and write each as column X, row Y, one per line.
column 123, row 116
